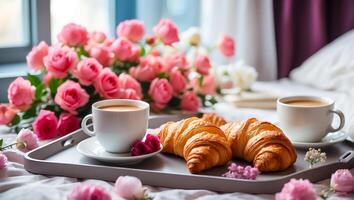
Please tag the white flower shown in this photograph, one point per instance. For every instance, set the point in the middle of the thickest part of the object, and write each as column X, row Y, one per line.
column 191, row 36
column 129, row 187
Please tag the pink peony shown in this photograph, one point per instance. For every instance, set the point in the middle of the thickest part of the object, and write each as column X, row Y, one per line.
column 20, row 93
column 89, row 192
column 177, row 59
column 97, row 37
column 132, row 29
column 148, row 68
column 67, row 123
column 227, row 45
column 45, row 125
column 190, row 102
column 3, row 161
column 26, row 140
column 166, row 31
column 161, row 91
column 107, row 84
column 102, row 54
column 59, row 61
column 122, row 49
column 342, row 181
column 35, row 56
column 87, row 71
column 70, row 96
column 153, row 142
column 297, row 190
column 128, row 82
column 129, row 187
column 207, row 86
column 202, row 64
column 73, row 35
column 178, row 80
column 7, row 114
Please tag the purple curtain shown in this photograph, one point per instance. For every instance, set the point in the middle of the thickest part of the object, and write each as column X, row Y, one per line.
column 304, row 26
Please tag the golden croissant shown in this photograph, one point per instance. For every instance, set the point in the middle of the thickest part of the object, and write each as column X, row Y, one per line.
column 261, row 143
column 214, row 119
column 202, row 144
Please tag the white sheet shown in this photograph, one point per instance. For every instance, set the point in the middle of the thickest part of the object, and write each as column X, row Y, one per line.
column 17, row 183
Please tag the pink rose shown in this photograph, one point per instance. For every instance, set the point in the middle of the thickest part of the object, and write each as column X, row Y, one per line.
column 73, row 35
column 161, row 91
column 129, row 94
column 26, row 140
column 47, row 78
column 129, row 187
column 89, row 192
column 122, row 49
column 87, row 71
column 35, row 56
column 20, row 93
column 107, row 84
column 167, row 31
column 70, row 96
column 227, row 45
column 108, row 42
column 45, row 125
column 132, row 29
column 3, row 161
column 342, row 181
column 103, row 55
column 207, row 87
column 60, row 60
column 190, row 102
column 97, row 36
column 178, row 80
column 128, row 82
column 67, row 123
column 177, row 59
column 148, row 68
column 297, row 190
column 155, row 106
column 202, row 64
column 135, row 56
column 7, row 114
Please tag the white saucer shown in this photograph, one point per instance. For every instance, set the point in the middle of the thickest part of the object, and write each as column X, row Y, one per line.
column 330, row 139
column 92, row 149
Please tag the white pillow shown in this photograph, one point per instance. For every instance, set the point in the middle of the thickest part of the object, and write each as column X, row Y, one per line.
column 331, row 68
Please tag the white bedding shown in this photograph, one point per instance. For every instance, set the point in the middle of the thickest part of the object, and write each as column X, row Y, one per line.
column 17, row 183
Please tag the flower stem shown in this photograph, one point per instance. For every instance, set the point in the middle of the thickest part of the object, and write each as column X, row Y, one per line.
column 7, row 146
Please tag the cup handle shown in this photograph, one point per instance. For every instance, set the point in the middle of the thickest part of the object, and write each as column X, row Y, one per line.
column 84, row 125
column 341, row 119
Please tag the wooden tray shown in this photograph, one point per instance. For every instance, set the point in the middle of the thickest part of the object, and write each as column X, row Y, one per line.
column 61, row 158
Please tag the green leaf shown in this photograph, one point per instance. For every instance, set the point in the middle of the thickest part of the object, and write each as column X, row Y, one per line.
column 53, row 86
column 142, row 51
column 201, row 80
column 162, row 75
column 1, row 142
column 175, row 102
column 16, row 120
column 39, row 91
column 29, row 113
column 35, row 80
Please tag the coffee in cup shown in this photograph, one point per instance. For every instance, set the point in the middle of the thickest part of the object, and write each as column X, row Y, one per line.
column 307, row 118
column 118, row 123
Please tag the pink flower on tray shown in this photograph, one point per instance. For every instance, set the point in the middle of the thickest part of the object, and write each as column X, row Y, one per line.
column 177, row 59
column 161, row 91
column 241, row 172
column 153, row 142
column 67, row 123
column 70, row 96
column 21, row 93
column 129, row 187
column 60, row 60
column 87, row 71
column 107, row 84
column 178, row 80
column 45, row 125
column 132, row 29
column 166, row 31
column 342, row 181
column 202, row 64
column 26, row 140
column 36, row 55
column 297, row 190
column 73, row 35
column 3, row 161
column 102, row 54
column 227, row 45
column 7, row 114
column 128, row 82
column 122, row 49
column 190, row 101
column 89, row 192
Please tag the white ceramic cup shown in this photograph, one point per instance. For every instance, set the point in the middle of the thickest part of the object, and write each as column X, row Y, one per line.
column 307, row 123
column 116, row 131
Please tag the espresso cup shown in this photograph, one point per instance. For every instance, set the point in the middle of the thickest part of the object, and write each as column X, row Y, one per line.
column 118, row 123
column 307, row 118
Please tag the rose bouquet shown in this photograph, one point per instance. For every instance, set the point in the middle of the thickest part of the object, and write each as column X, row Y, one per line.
column 84, row 67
